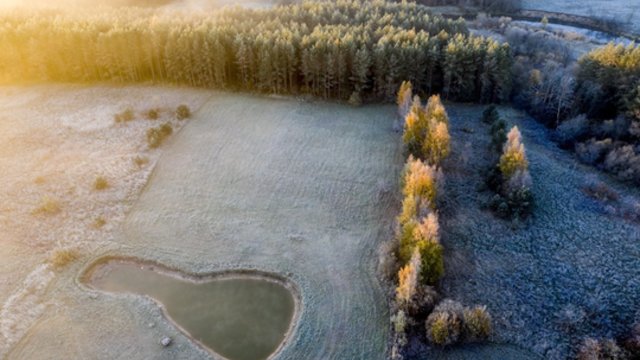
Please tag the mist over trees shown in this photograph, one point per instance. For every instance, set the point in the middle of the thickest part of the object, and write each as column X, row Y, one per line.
column 327, row 49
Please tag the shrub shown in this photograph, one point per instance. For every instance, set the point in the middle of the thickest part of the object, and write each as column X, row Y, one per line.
column 49, row 206
column 600, row 190
column 124, row 116
column 515, row 204
column 632, row 343
column 155, row 136
column 355, row 99
column 444, row 324
column 63, row 257
column 513, row 158
column 141, row 160
column 153, row 114
column 183, row 112
column 99, row 222
column 498, row 135
column 624, row 163
column 477, row 323
column 573, row 130
column 425, row 300
column 593, row 151
column 399, row 322
column 490, row 115
column 100, row 183
column 593, row 349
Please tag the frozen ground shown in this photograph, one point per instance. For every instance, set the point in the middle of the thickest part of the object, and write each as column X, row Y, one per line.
column 299, row 189
column 624, row 11
column 54, row 142
column 571, row 271
column 302, row 189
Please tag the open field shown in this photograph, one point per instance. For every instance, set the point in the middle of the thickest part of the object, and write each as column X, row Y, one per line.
column 55, row 141
column 302, row 189
column 569, row 272
column 299, row 189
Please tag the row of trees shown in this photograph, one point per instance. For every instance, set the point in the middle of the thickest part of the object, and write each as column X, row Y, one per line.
column 329, row 49
column 419, row 251
column 510, row 178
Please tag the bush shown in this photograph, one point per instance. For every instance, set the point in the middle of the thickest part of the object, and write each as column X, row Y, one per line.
column 600, row 190
column 593, row 151
column 624, row 163
column 517, row 204
column 124, row 116
column 63, row 257
column 99, row 222
column 183, row 112
column 153, row 114
column 632, row 343
column 155, row 136
column 593, row 349
column 477, row 323
column 100, row 183
column 141, row 160
column 399, row 322
column 573, row 130
column 498, row 135
column 49, row 206
column 444, row 324
column 355, row 99
column 490, row 115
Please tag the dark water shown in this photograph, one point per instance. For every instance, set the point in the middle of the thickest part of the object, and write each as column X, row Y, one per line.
column 238, row 318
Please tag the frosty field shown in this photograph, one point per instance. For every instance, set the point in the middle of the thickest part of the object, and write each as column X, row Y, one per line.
column 304, row 190
column 568, row 273
column 288, row 187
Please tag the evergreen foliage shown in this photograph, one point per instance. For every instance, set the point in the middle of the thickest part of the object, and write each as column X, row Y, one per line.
column 333, row 49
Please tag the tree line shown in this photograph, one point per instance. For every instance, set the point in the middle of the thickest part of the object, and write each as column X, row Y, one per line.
column 344, row 49
column 417, row 307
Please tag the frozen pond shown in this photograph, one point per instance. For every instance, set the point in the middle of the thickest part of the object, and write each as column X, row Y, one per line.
column 238, row 317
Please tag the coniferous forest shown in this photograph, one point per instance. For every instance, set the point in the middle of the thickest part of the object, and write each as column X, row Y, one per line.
column 348, row 49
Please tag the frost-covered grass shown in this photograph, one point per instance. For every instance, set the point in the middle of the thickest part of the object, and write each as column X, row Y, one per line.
column 295, row 188
column 569, row 272
column 54, row 140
